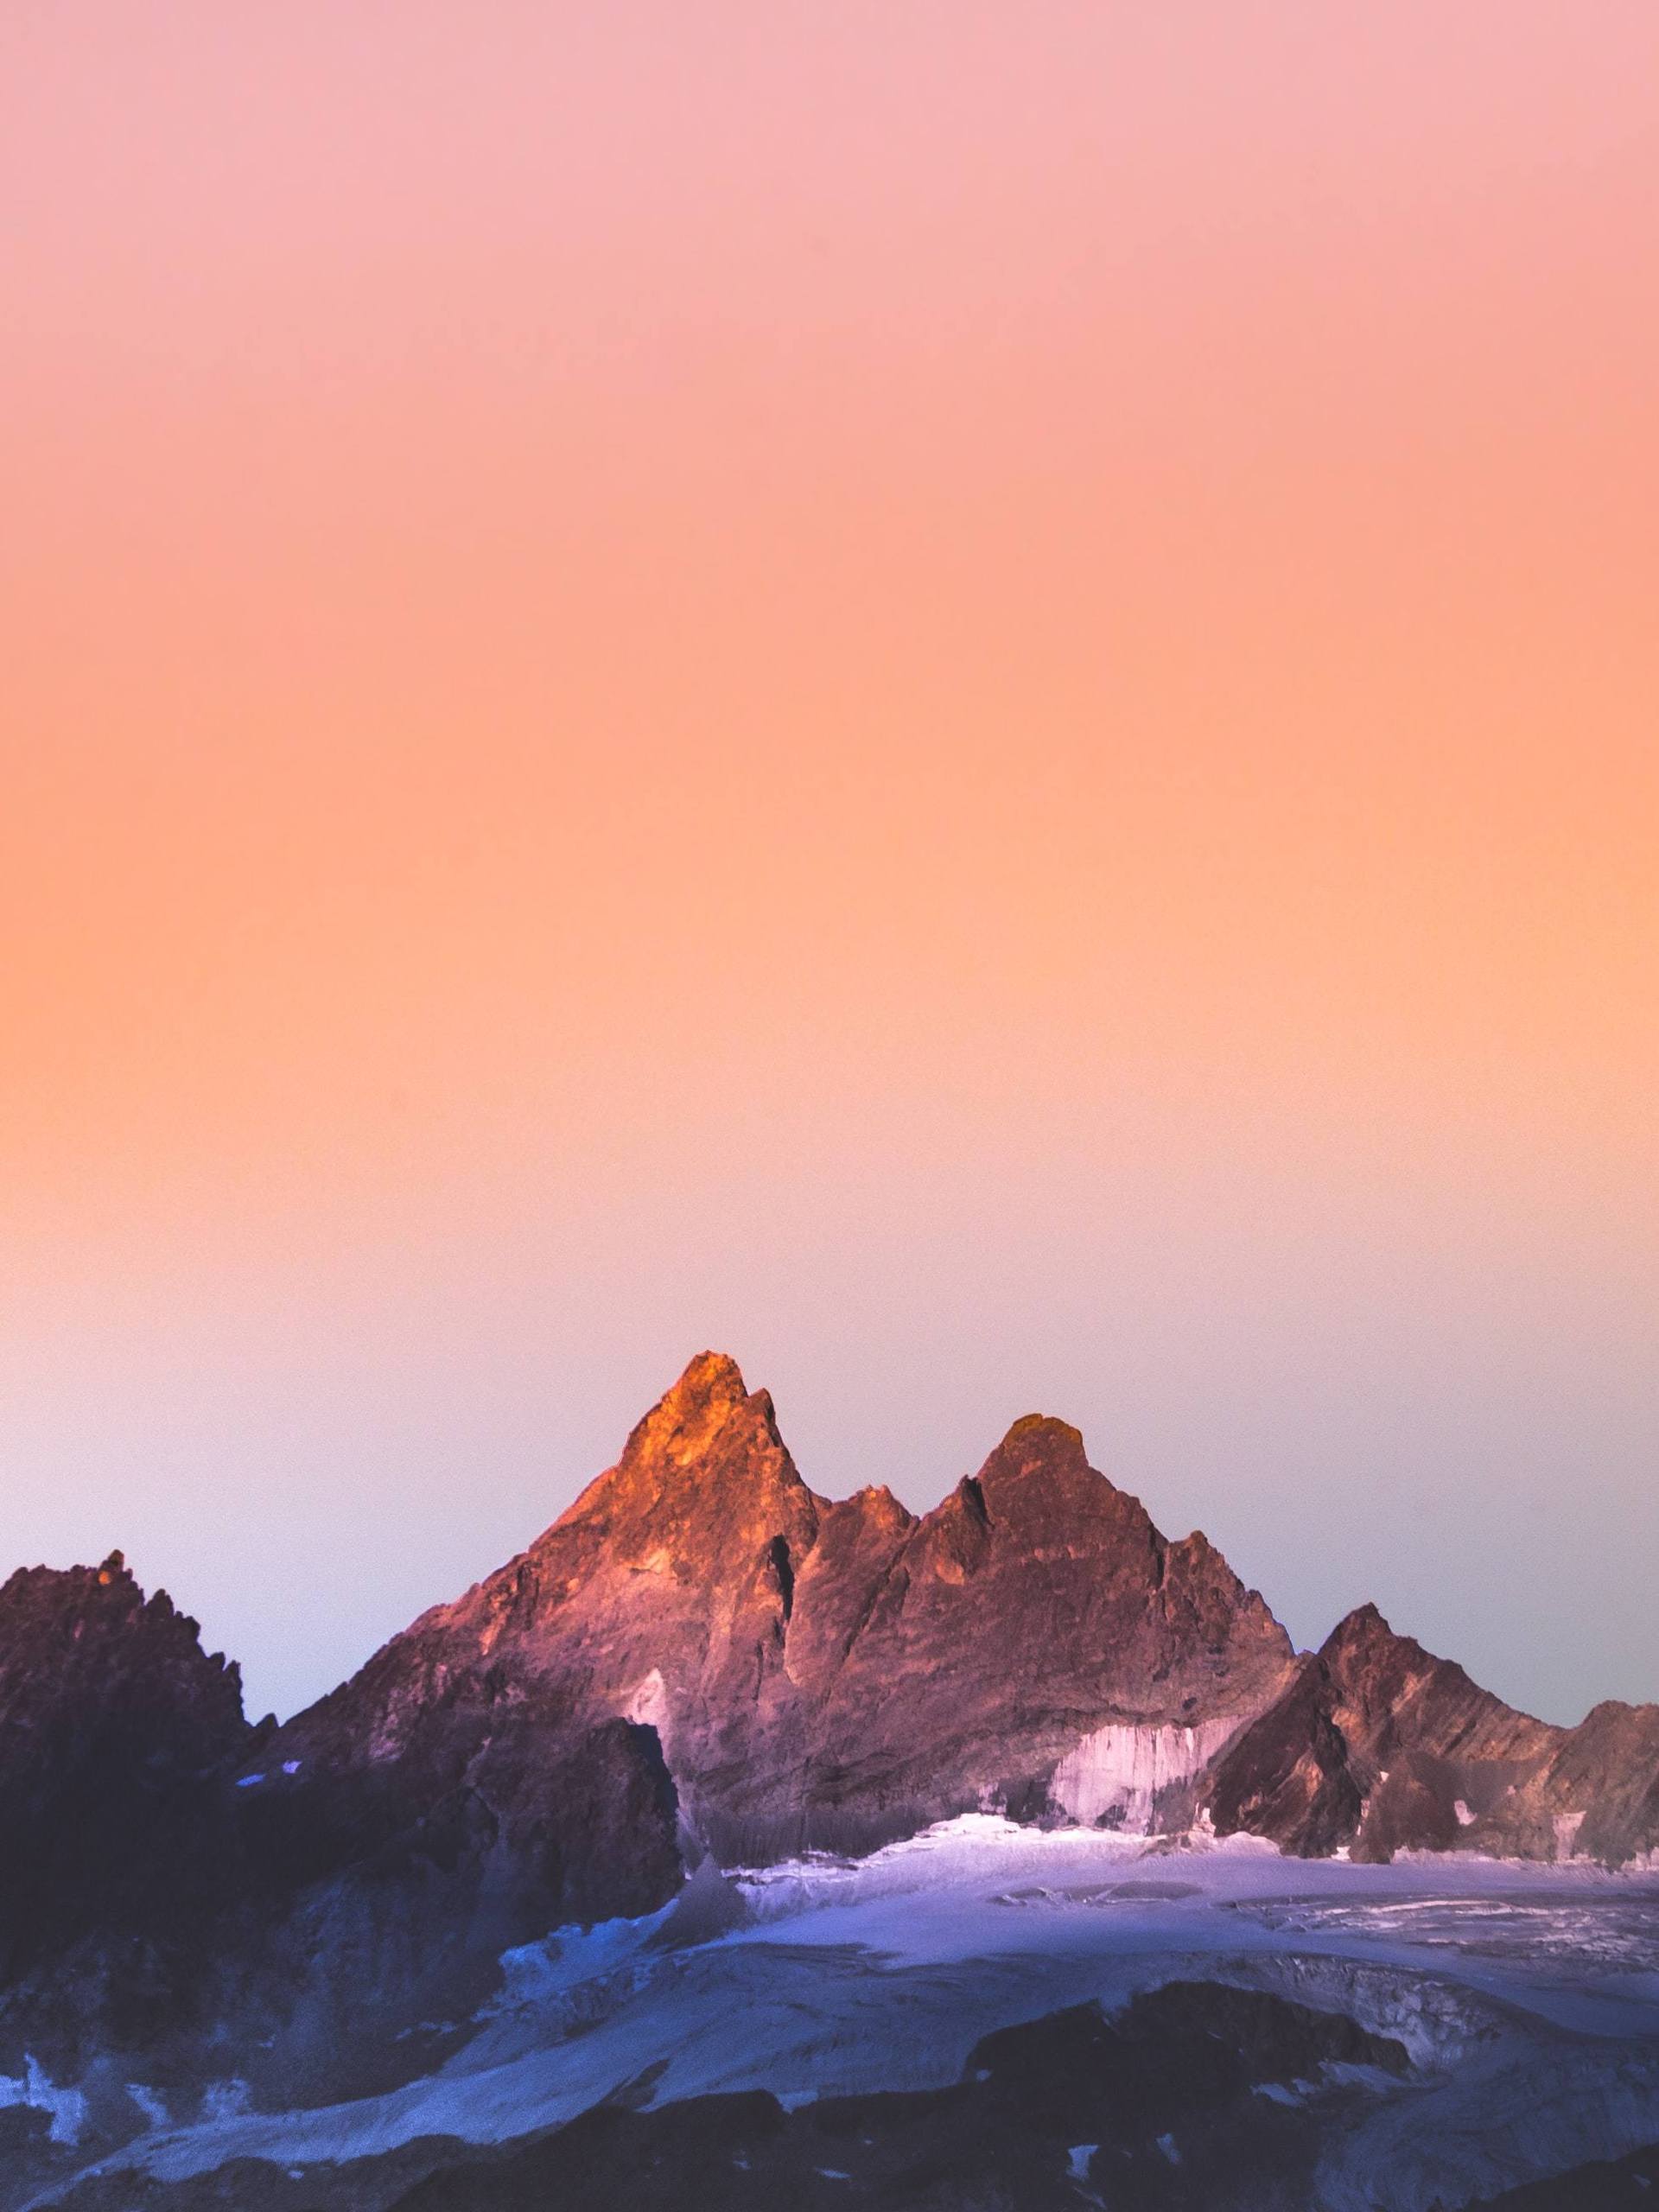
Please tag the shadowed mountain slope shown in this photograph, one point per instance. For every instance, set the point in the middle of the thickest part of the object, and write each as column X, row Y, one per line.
column 114, row 1724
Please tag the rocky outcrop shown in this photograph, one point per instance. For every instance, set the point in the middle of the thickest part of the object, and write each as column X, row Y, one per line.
column 377, row 1900
column 825, row 1674
column 116, row 1729
column 1603, row 2185
column 164, row 1869
column 1377, row 1746
column 1594, row 1795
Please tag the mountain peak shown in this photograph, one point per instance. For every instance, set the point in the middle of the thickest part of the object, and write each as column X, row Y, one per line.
column 111, row 1714
column 1048, row 1427
column 714, row 1373
column 702, row 1465
column 689, row 1417
column 1364, row 1629
column 877, row 1503
column 1037, row 1443
column 1040, row 1472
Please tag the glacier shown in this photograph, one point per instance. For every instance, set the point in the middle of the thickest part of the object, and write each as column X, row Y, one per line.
column 1526, row 1996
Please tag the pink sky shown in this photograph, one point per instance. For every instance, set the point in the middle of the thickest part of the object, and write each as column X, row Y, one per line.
column 960, row 698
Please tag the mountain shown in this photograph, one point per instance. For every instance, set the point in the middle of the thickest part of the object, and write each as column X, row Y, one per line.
column 704, row 1656
column 441, row 1890
column 835, row 1675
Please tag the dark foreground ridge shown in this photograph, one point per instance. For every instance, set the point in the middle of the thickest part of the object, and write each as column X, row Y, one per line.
column 1076, row 2097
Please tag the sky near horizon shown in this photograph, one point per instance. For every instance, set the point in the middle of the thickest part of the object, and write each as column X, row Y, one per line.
column 959, row 697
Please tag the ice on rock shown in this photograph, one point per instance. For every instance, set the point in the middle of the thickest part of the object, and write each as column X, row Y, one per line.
column 1116, row 1776
column 1567, row 1833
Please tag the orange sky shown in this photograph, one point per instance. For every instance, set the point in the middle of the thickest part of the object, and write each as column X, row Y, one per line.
column 962, row 697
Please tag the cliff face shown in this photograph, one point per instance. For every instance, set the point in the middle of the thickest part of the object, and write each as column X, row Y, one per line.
column 1034, row 1618
column 114, row 1727
column 836, row 1675
column 1594, row 1793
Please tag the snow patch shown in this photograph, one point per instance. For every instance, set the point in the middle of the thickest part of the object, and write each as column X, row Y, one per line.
column 149, row 2102
column 647, row 1704
column 547, row 1975
column 1276, row 2092
column 34, row 2090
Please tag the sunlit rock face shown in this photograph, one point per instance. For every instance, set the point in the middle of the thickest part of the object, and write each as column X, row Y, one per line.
column 1594, row 1795
column 838, row 1674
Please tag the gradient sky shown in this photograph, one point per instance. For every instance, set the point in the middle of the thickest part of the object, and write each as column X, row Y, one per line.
column 959, row 697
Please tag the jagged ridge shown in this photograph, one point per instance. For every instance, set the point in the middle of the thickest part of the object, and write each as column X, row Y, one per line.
column 1375, row 1745
column 114, row 1724
column 835, row 1674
